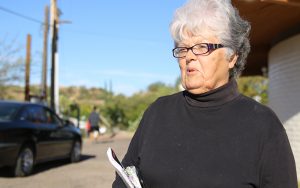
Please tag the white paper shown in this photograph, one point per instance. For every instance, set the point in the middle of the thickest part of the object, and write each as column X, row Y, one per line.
column 128, row 174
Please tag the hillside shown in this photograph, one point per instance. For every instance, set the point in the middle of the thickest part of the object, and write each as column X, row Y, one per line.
column 76, row 94
column 121, row 110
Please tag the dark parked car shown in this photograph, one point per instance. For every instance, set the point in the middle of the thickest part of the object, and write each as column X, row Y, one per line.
column 32, row 133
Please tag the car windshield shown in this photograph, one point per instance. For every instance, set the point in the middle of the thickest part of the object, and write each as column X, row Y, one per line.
column 7, row 111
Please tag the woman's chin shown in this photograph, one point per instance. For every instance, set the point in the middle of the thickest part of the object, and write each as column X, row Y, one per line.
column 195, row 89
column 190, row 85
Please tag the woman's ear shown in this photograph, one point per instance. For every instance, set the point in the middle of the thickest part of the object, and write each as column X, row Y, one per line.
column 232, row 61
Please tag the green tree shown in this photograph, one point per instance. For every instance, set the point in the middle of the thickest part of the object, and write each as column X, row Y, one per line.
column 130, row 109
column 255, row 87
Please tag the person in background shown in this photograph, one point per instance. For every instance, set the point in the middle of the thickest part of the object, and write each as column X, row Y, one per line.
column 210, row 135
column 94, row 120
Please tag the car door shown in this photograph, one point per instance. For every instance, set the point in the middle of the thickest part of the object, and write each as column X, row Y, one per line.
column 11, row 134
column 61, row 134
column 41, row 131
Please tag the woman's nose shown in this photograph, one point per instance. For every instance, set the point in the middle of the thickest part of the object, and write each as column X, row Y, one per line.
column 190, row 56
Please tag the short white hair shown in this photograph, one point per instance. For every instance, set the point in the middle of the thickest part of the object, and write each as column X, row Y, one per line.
column 214, row 18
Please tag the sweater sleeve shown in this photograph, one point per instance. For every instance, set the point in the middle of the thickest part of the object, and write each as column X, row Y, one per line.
column 132, row 155
column 278, row 164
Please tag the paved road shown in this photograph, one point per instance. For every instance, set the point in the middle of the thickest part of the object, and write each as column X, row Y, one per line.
column 93, row 171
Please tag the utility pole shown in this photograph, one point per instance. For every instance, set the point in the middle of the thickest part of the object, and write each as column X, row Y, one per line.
column 45, row 49
column 54, row 22
column 54, row 58
column 27, row 73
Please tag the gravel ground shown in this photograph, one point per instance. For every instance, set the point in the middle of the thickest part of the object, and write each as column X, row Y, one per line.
column 93, row 171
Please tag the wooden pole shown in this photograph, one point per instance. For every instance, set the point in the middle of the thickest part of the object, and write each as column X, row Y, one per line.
column 45, row 49
column 27, row 71
column 53, row 52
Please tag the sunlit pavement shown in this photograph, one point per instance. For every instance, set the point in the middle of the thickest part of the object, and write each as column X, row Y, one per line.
column 93, row 171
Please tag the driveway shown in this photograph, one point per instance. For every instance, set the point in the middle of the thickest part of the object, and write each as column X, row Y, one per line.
column 93, row 171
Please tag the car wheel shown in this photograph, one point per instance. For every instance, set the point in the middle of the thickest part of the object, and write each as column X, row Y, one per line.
column 75, row 154
column 24, row 163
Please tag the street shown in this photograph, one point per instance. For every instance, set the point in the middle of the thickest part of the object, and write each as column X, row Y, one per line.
column 93, row 171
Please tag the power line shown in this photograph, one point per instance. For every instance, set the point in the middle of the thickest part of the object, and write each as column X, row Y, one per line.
column 40, row 22
column 21, row 15
column 50, row 25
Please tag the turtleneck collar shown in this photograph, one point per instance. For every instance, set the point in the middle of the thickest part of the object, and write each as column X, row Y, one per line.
column 215, row 97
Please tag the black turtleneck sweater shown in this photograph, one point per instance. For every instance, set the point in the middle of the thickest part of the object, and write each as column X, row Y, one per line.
column 219, row 139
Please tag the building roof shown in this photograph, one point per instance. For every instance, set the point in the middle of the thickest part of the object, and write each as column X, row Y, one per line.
column 271, row 21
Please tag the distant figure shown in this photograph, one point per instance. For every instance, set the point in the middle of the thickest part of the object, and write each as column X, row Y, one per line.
column 94, row 120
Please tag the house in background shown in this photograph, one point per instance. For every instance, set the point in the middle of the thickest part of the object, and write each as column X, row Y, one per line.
column 275, row 47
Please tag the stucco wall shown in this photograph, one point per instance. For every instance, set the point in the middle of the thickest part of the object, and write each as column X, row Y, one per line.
column 284, row 89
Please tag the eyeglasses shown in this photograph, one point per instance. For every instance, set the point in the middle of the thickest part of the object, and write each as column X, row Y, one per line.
column 198, row 49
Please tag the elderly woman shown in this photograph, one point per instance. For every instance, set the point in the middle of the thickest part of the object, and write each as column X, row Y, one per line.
column 210, row 136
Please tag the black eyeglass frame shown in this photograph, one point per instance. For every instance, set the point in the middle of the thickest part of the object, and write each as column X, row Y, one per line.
column 210, row 48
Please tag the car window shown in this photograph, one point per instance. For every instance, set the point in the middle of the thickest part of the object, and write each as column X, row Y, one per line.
column 7, row 111
column 25, row 115
column 35, row 114
column 52, row 118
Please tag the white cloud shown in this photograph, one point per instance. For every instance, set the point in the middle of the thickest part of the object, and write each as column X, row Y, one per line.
column 123, row 81
column 139, row 75
column 125, row 89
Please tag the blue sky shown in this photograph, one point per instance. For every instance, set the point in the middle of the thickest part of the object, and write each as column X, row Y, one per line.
column 123, row 42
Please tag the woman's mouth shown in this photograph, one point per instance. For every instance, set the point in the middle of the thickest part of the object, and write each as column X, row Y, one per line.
column 191, row 70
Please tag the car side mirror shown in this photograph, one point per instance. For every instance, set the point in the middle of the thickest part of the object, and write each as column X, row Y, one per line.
column 68, row 122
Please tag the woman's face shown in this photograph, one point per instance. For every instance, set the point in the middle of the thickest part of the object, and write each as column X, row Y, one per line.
column 202, row 73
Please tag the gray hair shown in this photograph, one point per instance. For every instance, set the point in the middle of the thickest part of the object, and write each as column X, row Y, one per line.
column 217, row 18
